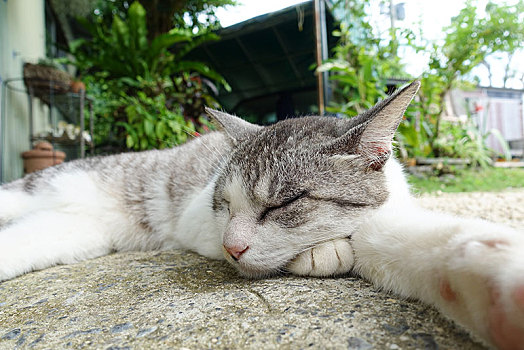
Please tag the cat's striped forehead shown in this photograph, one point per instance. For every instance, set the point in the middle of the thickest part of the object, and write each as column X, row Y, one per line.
column 287, row 159
column 308, row 132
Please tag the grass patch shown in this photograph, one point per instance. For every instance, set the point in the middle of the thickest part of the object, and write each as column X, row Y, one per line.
column 469, row 180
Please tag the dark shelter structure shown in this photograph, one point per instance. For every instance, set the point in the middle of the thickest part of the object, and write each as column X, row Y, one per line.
column 269, row 62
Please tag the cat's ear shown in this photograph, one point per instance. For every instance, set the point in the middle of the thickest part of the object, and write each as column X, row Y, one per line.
column 236, row 128
column 372, row 135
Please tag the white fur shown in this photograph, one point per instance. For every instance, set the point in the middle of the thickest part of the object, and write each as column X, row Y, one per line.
column 412, row 251
column 76, row 218
column 329, row 258
column 73, row 238
column 13, row 204
column 197, row 227
column 236, row 195
column 63, row 228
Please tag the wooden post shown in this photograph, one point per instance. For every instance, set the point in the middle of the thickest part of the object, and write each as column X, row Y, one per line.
column 321, row 53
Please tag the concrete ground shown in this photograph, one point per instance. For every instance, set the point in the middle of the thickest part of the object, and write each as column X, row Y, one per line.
column 181, row 300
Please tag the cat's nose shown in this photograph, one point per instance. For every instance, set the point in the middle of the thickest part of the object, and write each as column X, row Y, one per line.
column 236, row 250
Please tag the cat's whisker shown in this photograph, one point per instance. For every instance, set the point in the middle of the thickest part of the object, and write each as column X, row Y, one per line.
column 217, row 151
column 221, row 156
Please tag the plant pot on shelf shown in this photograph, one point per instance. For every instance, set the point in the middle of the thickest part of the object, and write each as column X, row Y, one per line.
column 77, row 85
column 41, row 157
column 43, row 81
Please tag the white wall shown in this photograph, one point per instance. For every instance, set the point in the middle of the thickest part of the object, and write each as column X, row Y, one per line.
column 22, row 39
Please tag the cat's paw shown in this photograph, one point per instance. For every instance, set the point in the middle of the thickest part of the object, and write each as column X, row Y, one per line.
column 327, row 259
column 483, row 288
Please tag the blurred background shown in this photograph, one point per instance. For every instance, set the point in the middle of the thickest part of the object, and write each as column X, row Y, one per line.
column 87, row 77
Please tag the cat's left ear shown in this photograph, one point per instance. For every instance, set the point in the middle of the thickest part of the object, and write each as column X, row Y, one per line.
column 372, row 135
column 236, row 128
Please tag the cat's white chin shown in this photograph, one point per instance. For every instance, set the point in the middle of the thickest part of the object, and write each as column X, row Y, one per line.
column 254, row 271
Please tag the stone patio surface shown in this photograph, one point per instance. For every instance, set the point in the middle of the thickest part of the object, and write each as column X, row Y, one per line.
column 176, row 300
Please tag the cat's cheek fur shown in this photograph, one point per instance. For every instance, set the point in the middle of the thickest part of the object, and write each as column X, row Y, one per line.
column 197, row 227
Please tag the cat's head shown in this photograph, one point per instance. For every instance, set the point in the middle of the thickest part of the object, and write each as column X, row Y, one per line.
column 300, row 182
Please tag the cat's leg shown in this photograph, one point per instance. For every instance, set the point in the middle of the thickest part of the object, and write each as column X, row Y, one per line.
column 46, row 238
column 473, row 271
column 327, row 259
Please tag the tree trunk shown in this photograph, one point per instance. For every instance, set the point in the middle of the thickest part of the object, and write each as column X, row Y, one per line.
column 436, row 152
column 160, row 15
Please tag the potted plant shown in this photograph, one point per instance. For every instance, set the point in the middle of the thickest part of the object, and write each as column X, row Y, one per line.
column 41, row 156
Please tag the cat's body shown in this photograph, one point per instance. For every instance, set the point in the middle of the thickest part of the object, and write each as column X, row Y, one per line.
column 313, row 196
column 122, row 202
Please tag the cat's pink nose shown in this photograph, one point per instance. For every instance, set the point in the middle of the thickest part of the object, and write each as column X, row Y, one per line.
column 236, row 250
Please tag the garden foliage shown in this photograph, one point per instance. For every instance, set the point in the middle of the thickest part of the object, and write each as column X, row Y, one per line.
column 147, row 94
column 362, row 64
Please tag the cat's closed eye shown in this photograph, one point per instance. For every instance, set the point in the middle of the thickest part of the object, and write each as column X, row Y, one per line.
column 287, row 213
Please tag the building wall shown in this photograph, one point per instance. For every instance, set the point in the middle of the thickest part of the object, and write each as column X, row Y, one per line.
column 498, row 108
column 504, row 115
column 22, row 39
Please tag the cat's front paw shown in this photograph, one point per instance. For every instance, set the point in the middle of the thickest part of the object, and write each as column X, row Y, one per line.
column 327, row 259
column 483, row 288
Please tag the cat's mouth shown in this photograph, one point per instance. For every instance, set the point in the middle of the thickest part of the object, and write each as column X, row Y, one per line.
column 250, row 270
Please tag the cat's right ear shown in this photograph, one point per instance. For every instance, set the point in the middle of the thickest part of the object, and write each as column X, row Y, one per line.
column 237, row 129
column 372, row 133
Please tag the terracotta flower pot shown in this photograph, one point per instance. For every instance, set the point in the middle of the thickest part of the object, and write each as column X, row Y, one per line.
column 76, row 86
column 41, row 157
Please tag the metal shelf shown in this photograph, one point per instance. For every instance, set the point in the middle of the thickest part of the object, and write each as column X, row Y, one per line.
column 62, row 140
column 56, row 95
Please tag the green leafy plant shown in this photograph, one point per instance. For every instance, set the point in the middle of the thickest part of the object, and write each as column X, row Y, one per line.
column 143, row 87
column 360, row 64
column 469, row 40
column 150, row 124
column 456, row 139
column 412, row 138
column 463, row 141
column 196, row 15
column 123, row 50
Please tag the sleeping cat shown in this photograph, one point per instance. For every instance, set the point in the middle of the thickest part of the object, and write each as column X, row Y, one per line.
column 311, row 196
